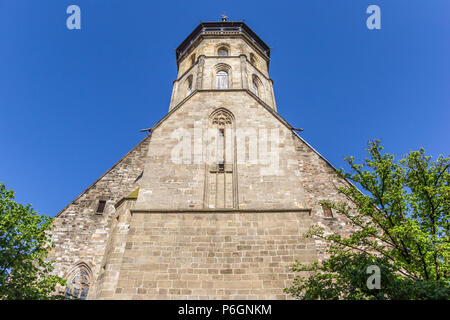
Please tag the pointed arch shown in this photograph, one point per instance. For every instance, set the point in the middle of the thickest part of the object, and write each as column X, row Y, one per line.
column 222, row 67
column 257, row 87
column 221, row 117
column 253, row 59
column 222, row 76
column 188, row 84
column 79, row 281
column 222, row 49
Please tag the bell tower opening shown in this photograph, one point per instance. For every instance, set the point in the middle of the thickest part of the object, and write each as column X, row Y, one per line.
column 223, row 55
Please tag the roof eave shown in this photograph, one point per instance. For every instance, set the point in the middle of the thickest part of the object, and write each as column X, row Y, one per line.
column 201, row 29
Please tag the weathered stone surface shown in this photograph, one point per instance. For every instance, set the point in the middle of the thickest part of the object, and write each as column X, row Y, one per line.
column 198, row 230
column 79, row 234
column 208, row 254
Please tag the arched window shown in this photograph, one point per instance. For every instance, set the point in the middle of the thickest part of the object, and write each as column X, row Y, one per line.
column 189, row 85
column 223, row 52
column 252, row 59
column 78, row 284
column 193, row 59
column 222, row 80
column 255, row 88
column 220, row 180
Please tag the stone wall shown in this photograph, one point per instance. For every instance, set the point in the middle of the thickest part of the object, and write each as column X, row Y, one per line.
column 204, row 255
column 299, row 179
column 167, row 245
column 79, row 234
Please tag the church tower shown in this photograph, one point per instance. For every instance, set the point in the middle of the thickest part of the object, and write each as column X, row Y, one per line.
column 223, row 56
column 215, row 201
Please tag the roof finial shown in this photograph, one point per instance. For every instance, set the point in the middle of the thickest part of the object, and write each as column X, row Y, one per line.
column 224, row 17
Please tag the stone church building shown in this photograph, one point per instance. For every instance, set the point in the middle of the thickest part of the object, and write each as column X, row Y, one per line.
column 214, row 202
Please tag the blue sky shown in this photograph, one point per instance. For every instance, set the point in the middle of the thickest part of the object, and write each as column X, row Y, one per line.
column 72, row 101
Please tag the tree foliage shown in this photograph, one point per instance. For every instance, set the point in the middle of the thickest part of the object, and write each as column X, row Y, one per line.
column 401, row 225
column 25, row 272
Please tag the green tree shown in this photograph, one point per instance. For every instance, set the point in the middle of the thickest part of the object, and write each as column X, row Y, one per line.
column 402, row 226
column 24, row 247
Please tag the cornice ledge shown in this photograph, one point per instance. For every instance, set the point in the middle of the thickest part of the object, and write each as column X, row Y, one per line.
column 230, row 210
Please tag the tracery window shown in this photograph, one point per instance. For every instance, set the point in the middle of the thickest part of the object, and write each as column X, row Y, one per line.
column 221, row 119
column 78, row 284
column 220, row 180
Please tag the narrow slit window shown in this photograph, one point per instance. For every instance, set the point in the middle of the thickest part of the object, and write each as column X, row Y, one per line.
column 221, row 148
column 189, row 85
column 252, row 59
column 219, row 180
column 255, row 88
column 101, row 206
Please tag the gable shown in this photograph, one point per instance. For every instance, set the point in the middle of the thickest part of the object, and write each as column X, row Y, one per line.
column 79, row 234
column 185, row 181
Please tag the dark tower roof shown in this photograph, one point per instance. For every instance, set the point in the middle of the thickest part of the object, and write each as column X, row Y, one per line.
column 222, row 28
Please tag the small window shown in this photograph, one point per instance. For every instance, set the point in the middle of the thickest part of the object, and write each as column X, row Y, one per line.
column 101, row 206
column 327, row 213
column 78, row 285
column 252, row 59
column 255, row 88
column 222, row 80
column 223, row 52
column 221, row 150
column 189, row 85
column 192, row 59
column 256, row 85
